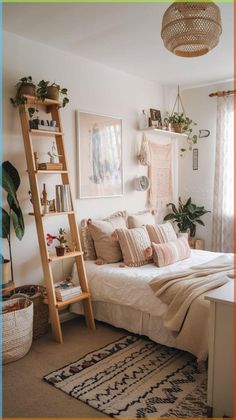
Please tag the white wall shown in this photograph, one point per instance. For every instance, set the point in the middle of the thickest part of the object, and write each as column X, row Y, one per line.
column 92, row 87
column 199, row 184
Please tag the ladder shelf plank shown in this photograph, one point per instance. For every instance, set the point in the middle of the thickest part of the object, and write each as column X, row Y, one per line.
column 69, row 301
column 46, row 102
column 53, row 258
column 53, row 213
column 46, row 133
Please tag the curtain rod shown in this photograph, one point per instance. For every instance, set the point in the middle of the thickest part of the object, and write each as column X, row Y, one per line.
column 222, row 93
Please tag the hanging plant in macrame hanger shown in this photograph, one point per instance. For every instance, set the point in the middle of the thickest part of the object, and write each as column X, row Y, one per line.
column 178, row 122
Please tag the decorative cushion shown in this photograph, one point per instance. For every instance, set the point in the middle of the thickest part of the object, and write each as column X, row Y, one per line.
column 134, row 243
column 161, row 233
column 86, row 237
column 171, row 252
column 107, row 249
column 143, row 218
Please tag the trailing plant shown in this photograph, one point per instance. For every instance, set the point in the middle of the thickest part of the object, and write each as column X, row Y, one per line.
column 186, row 216
column 42, row 91
column 19, row 99
column 60, row 238
column 13, row 215
column 186, row 126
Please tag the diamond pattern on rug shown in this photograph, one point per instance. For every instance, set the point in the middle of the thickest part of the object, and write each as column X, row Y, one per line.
column 136, row 378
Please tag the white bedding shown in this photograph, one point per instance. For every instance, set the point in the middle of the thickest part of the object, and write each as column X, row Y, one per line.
column 129, row 286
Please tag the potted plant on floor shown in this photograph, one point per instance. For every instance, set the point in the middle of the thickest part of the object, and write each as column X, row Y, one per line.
column 186, row 216
column 12, row 217
column 51, row 91
column 61, row 248
column 25, row 86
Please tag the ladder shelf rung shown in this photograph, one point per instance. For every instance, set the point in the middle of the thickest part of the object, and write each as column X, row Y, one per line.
column 53, row 213
column 45, row 133
column 38, row 101
column 44, row 171
column 66, row 255
column 69, row 301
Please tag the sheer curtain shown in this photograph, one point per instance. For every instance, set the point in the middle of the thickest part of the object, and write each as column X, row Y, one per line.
column 223, row 204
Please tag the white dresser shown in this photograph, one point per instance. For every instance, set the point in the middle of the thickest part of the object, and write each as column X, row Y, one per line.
column 220, row 395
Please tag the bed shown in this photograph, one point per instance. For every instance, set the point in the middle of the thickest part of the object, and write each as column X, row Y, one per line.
column 123, row 298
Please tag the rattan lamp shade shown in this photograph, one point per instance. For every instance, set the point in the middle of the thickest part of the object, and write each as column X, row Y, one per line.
column 191, row 29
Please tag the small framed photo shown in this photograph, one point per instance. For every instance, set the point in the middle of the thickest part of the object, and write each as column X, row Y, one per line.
column 195, row 159
column 155, row 116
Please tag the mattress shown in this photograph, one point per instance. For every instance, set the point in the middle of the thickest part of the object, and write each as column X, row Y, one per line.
column 128, row 286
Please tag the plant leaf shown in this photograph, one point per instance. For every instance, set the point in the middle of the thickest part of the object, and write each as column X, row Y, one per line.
column 18, row 223
column 5, row 224
column 13, row 173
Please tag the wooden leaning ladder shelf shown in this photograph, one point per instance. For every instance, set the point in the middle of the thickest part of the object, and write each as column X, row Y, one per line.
column 52, row 107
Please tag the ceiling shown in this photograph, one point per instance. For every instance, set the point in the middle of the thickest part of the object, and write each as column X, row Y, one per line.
column 125, row 36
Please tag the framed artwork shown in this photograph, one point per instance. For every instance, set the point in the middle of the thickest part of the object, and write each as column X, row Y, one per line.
column 195, row 159
column 155, row 116
column 99, row 162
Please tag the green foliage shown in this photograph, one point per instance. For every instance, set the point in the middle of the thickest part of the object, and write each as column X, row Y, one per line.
column 186, row 215
column 18, row 99
column 186, row 126
column 11, row 183
column 42, row 90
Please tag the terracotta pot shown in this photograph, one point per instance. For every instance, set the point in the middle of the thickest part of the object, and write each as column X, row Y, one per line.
column 27, row 89
column 53, row 93
column 60, row 251
column 177, row 128
column 6, row 272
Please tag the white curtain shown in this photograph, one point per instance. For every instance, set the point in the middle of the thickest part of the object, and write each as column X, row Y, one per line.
column 223, row 204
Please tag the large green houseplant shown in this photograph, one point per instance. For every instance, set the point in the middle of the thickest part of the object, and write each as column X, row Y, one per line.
column 13, row 215
column 186, row 216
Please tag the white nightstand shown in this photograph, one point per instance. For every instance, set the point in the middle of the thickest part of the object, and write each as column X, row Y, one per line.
column 220, row 394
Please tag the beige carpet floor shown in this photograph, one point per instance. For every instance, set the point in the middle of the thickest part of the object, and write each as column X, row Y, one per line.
column 25, row 394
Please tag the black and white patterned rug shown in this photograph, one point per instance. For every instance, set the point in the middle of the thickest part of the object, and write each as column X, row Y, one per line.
column 136, row 378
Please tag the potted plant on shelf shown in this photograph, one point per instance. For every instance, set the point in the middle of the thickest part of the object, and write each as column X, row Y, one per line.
column 14, row 216
column 186, row 216
column 179, row 123
column 61, row 248
column 51, row 91
column 25, row 86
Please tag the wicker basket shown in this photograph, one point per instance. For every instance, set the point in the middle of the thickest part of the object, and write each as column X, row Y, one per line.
column 41, row 314
column 17, row 329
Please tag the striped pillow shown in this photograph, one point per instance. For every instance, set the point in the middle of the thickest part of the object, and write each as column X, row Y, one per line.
column 161, row 233
column 171, row 252
column 133, row 244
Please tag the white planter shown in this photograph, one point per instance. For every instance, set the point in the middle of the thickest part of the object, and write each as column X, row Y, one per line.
column 6, row 272
column 185, row 234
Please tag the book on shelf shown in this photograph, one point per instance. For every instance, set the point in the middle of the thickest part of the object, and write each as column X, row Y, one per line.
column 48, row 166
column 66, row 290
column 63, row 198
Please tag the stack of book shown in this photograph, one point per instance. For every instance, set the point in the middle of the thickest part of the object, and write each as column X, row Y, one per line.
column 63, row 198
column 66, row 290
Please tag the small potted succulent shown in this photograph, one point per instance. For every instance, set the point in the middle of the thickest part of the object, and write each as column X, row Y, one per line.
column 25, row 86
column 51, row 91
column 61, row 248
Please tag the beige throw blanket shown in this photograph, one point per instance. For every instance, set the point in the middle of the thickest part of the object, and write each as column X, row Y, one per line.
column 179, row 290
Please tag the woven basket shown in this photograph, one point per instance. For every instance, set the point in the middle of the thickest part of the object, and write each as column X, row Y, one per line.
column 17, row 329
column 41, row 313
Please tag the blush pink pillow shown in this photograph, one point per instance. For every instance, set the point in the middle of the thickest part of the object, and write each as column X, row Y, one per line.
column 171, row 252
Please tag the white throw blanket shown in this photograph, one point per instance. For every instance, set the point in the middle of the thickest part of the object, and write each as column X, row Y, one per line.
column 179, row 290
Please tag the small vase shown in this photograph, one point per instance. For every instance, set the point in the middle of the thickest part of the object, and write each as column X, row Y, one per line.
column 60, row 251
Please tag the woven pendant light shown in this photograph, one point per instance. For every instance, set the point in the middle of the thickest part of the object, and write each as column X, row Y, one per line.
column 191, row 29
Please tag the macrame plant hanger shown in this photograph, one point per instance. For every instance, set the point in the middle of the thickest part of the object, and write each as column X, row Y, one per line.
column 178, row 103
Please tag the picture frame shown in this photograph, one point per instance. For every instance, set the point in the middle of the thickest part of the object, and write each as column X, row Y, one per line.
column 155, row 117
column 99, row 155
column 195, row 159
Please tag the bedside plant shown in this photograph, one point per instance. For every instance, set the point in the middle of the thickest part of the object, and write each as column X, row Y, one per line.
column 53, row 91
column 186, row 216
column 14, row 216
column 61, row 248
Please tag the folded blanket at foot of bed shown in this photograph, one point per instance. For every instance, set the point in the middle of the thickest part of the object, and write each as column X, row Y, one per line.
column 187, row 313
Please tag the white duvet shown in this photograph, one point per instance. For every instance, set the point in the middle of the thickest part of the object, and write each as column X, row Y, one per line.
column 129, row 286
